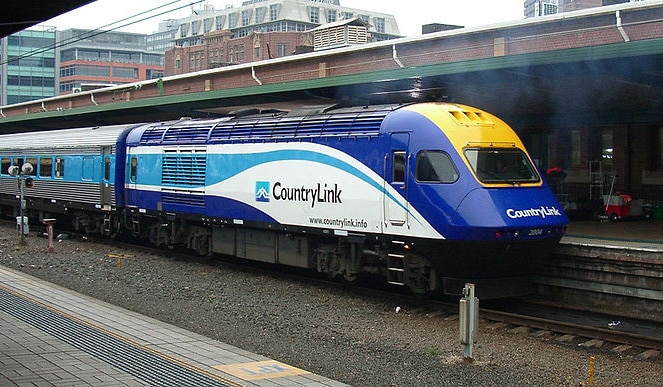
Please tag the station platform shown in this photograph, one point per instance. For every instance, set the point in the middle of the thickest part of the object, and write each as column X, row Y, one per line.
column 53, row 336
column 638, row 235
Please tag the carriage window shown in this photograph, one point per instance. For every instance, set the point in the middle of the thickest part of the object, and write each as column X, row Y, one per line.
column 88, row 168
column 45, row 167
column 33, row 162
column 435, row 167
column 134, row 165
column 6, row 163
column 107, row 168
column 398, row 173
column 59, row 167
column 501, row 165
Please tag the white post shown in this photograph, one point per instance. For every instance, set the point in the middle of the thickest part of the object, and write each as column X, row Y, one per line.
column 468, row 321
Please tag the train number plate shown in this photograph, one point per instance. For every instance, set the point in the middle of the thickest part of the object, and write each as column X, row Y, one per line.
column 535, row 232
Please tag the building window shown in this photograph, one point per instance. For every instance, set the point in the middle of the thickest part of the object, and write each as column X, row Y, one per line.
column 246, row 17
column 379, row 24
column 314, row 15
column 232, row 20
column 256, row 53
column 273, row 12
column 94, row 71
column 576, row 147
column 220, row 21
column 260, row 14
column 125, row 72
column 606, row 147
column 195, row 27
column 153, row 74
column 331, row 15
column 282, row 49
column 207, row 25
column 184, row 30
column 94, row 55
column 659, row 151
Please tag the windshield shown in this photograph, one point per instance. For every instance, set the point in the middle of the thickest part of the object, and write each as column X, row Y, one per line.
column 501, row 165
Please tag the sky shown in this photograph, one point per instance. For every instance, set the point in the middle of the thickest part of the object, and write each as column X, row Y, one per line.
column 410, row 14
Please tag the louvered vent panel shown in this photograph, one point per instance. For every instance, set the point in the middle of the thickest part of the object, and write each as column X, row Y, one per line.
column 345, row 124
column 153, row 135
column 183, row 170
column 182, row 199
column 186, row 135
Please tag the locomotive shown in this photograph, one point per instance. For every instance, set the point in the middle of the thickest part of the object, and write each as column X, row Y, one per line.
column 428, row 195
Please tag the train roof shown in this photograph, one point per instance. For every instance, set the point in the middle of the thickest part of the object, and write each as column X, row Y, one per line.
column 312, row 122
column 62, row 141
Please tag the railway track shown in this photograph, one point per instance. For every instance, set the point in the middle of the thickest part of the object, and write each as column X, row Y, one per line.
column 587, row 334
column 647, row 340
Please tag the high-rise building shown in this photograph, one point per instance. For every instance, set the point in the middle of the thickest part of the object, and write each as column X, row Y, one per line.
column 28, row 66
column 535, row 8
column 164, row 38
column 105, row 57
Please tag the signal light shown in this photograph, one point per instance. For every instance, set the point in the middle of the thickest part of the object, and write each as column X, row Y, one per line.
column 29, row 182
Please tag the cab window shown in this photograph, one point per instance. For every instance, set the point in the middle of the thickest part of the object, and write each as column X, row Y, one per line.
column 435, row 167
column 398, row 172
column 134, row 169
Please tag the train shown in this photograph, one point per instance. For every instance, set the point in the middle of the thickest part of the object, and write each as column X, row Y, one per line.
column 424, row 196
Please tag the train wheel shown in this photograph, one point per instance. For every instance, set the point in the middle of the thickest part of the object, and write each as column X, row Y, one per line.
column 419, row 275
column 350, row 277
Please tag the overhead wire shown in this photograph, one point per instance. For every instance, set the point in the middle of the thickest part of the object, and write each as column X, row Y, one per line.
column 101, row 30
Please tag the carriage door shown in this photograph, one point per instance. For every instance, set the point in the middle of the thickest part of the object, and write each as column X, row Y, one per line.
column 131, row 175
column 396, row 166
column 106, row 187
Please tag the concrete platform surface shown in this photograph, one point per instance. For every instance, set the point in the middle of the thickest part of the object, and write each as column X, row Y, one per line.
column 54, row 336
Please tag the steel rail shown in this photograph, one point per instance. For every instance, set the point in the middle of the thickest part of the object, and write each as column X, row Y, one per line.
column 610, row 335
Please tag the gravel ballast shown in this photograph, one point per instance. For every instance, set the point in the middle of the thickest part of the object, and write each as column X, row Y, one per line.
column 340, row 333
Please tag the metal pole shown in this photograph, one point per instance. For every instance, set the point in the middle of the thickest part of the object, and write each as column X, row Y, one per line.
column 468, row 310
column 49, row 232
column 22, row 210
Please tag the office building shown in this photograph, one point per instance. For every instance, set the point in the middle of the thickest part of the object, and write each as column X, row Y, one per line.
column 266, row 29
column 91, row 57
column 535, row 8
column 28, row 66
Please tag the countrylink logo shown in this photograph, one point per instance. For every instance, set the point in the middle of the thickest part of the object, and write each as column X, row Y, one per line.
column 262, row 191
